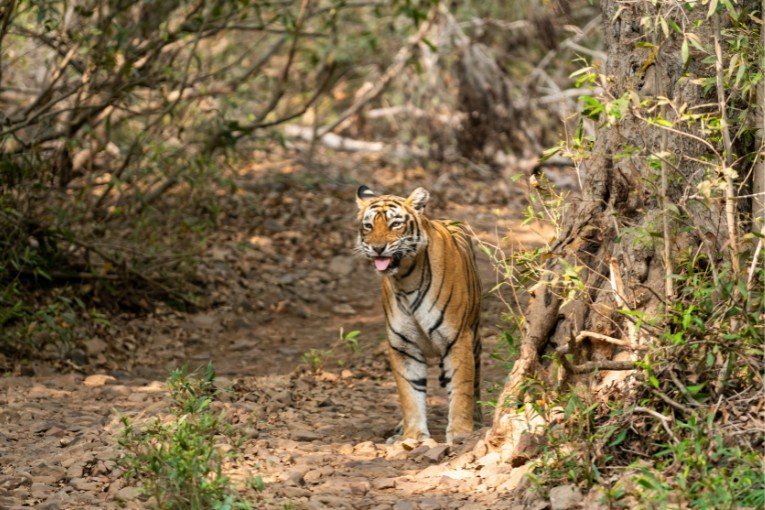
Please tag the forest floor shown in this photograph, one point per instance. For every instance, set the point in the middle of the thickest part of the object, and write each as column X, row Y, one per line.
column 280, row 282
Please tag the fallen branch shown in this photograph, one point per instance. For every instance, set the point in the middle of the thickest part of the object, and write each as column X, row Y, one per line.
column 605, row 338
column 341, row 143
column 592, row 366
column 394, row 70
column 664, row 420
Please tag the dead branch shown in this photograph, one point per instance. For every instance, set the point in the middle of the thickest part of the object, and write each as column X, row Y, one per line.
column 664, row 420
column 605, row 338
column 341, row 143
column 593, row 366
column 394, row 70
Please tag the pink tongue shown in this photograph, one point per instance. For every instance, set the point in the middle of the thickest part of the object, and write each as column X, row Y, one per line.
column 382, row 263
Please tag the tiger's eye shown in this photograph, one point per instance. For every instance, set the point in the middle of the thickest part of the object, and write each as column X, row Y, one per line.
column 368, row 226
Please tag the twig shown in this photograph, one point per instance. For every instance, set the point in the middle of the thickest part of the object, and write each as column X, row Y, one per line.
column 683, row 389
column 615, row 341
column 664, row 420
column 591, row 366
column 399, row 61
column 730, row 205
column 673, row 403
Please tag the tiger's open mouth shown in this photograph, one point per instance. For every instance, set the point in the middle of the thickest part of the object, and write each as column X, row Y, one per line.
column 383, row 264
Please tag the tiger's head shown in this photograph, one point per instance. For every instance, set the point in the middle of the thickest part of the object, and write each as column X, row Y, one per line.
column 390, row 227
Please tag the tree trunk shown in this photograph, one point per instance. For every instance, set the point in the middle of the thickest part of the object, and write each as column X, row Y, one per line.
column 622, row 234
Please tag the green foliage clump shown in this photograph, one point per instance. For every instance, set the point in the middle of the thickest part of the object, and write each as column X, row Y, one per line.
column 177, row 461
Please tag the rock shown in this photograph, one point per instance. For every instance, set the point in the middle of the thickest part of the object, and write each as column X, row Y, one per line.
column 488, row 459
column 95, row 346
column 384, row 483
column 205, row 321
column 565, row 497
column 82, row 484
column 41, row 490
column 437, row 453
column 409, row 444
column 304, row 435
column 344, row 309
column 128, row 493
column 480, row 449
column 315, row 475
column 74, row 471
column 295, row 479
column 431, row 504
column 52, row 503
column 417, row 452
column 359, row 488
column 96, row 380
column 13, row 482
column 341, row 265
column 365, row 448
column 295, row 492
column 404, row 505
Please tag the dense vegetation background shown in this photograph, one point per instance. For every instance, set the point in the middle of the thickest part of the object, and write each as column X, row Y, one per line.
column 142, row 142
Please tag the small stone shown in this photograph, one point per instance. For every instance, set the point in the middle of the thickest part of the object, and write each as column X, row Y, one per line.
column 431, row 504
column 95, row 346
column 409, row 444
column 13, row 482
column 480, row 449
column 52, row 503
column 128, row 493
column 488, row 459
column 315, row 475
column 384, row 483
column 359, row 488
column 404, row 505
column 74, row 471
column 365, row 448
column 40, row 490
column 344, row 309
column 98, row 380
column 55, row 432
column 304, row 435
column 295, row 479
column 565, row 497
column 437, row 453
column 295, row 492
column 420, row 450
column 82, row 484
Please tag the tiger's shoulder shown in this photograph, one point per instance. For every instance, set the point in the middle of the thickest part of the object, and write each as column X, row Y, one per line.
column 457, row 230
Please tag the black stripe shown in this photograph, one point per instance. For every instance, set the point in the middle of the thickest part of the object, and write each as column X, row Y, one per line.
column 444, row 380
column 402, row 337
column 404, row 353
column 409, row 271
column 440, row 316
column 422, row 383
column 421, row 296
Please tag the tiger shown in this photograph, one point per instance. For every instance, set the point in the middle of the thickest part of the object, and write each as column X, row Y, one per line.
column 431, row 296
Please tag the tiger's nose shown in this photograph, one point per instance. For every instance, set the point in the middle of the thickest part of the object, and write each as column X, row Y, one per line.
column 379, row 249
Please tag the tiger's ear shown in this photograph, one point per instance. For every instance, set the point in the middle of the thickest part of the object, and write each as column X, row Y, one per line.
column 418, row 199
column 363, row 194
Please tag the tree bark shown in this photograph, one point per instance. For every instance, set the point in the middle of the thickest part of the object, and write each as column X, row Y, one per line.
column 622, row 233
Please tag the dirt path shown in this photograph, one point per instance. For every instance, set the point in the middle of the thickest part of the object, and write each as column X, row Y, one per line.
column 316, row 436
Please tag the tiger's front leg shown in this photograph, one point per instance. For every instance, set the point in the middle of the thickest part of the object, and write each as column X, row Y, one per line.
column 410, row 372
column 460, row 371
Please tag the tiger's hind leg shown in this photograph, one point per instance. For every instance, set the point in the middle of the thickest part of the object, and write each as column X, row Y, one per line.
column 460, row 376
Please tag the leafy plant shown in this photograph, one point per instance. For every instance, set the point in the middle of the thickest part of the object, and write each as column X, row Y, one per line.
column 177, row 459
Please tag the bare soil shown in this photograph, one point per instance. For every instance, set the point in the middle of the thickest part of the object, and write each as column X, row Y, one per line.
column 280, row 281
